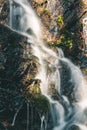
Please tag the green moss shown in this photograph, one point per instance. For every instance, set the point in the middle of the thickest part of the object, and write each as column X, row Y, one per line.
column 36, row 90
column 38, row 100
column 42, row 103
column 60, row 19
column 65, row 39
column 58, row 41
column 33, row 94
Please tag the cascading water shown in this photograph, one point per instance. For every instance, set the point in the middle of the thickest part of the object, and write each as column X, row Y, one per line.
column 70, row 111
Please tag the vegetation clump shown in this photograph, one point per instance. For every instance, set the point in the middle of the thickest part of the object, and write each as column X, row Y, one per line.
column 33, row 94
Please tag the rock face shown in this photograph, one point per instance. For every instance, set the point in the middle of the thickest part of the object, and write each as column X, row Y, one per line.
column 4, row 11
column 18, row 85
column 63, row 20
column 19, row 90
column 62, row 23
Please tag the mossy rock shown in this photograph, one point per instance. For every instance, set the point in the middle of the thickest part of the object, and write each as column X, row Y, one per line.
column 42, row 103
column 34, row 95
column 35, row 90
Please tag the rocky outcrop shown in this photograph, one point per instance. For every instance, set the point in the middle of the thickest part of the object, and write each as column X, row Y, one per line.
column 18, row 85
column 4, row 12
column 61, row 23
column 64, row 22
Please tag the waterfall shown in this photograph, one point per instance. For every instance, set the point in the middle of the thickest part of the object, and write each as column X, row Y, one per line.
column 54, row 71
column 10, row 21
column 42, row 123
column 27, row 116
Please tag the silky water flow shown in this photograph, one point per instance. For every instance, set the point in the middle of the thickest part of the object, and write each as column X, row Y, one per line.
column 70, row 112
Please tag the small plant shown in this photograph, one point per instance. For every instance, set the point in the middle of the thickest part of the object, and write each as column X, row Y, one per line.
column 60, row 19
column 46, row 12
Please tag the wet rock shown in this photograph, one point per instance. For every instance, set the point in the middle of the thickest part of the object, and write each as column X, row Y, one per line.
column 66, row 84
column 57, row 17
column 4, row 11
column 18, row 85
column 74, row 127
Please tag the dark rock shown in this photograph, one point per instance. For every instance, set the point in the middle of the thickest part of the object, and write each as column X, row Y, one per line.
column 73, row 127
column 18, row 85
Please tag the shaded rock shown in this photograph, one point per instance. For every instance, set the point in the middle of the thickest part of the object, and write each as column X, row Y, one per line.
column 18, row 85
column 4, row 11
column 67, row 86
column 74, row 127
